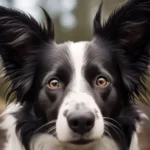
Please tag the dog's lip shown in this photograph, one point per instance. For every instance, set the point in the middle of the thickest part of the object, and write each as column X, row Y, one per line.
column 81, row 142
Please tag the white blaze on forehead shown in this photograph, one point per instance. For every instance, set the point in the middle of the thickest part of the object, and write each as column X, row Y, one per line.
column 77, row 52
column 78, row 95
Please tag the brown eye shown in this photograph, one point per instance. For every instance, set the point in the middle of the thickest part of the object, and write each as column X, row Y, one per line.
column 101, row 82
column 54, row 84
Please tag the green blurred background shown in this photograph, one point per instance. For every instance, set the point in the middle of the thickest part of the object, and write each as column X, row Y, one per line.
column 73, row 21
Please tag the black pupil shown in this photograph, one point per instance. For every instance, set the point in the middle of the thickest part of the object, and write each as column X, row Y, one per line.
column 101, row 80
column 54, row 83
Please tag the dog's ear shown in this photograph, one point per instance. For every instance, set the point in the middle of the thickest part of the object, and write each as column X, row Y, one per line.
column 21, row 37
column 128, row 29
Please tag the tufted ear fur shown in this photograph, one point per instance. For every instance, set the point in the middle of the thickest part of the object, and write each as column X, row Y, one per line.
column 128, row 30
column 20, row 40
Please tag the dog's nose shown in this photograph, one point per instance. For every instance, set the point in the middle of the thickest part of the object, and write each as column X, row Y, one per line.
column 81, row 121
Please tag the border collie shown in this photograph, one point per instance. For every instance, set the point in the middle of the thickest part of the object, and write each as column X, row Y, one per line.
column 79, row 95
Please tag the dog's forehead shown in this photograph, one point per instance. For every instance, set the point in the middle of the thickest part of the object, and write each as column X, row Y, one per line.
column 77, row 56
column 85, row 52
column 77, row 53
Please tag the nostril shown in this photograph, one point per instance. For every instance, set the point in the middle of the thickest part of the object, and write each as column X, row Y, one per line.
column 74, row 123
column 81, row 121
column 89, row 123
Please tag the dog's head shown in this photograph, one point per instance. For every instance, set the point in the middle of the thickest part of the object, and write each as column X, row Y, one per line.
column 70, row 89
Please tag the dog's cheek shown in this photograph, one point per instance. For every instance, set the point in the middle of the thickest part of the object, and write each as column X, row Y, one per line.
column 42, row 104
column 112, row 104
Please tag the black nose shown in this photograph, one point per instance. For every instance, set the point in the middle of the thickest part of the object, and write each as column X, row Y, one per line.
column 81, row 121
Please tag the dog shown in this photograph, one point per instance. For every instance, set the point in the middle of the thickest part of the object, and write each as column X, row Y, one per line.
column 79, row 95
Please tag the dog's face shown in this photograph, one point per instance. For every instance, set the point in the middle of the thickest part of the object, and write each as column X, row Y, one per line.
column 69, row 90
column 77, row 84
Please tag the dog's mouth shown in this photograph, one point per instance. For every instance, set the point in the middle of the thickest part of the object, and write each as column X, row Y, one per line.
column 81, row 142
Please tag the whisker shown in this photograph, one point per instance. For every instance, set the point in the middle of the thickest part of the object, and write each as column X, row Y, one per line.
column 111, row 124
column 51, row 129
column 105, row 130
column 114, row 121
column 113, row 127
column 53, row 121
column 116, row 133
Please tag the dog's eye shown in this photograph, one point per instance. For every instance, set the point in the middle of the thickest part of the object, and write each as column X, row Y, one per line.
column 101, row 81
column 54, row 84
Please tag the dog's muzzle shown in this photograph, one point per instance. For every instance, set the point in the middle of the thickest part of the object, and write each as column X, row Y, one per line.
column 79, row 120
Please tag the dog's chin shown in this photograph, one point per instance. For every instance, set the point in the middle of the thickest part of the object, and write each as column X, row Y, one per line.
column 82, row 142
column 79, row 142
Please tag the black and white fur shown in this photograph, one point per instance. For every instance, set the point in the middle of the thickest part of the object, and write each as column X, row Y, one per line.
column 39, row 120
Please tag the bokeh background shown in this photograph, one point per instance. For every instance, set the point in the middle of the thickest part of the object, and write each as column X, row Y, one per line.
column 73, row 21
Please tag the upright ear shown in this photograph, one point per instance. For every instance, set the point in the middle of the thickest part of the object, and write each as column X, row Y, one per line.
column 128, row 29
column 20, row 40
